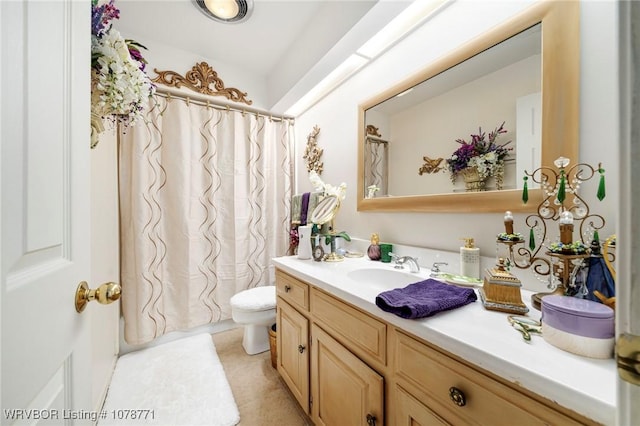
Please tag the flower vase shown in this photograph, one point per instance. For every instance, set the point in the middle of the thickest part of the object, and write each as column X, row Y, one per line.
column 472, row 180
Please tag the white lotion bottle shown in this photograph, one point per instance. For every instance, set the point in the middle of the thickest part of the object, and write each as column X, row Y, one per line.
column 304, row 242
column 469, row 259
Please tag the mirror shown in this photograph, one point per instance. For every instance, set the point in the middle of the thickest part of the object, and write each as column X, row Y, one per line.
column 500, row 83
column 326, row 210
column 538, row 55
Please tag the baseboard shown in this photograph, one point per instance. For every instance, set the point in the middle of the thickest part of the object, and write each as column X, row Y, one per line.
column 174, row 335
column 105, row 390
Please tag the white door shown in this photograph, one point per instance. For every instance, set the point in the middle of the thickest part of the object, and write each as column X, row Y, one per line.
column 44, row 191
column 529, row 135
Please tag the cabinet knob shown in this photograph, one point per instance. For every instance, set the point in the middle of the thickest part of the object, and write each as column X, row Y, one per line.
column 287, row 288
column 371, row 420
column 457, row 396
column 301, row 348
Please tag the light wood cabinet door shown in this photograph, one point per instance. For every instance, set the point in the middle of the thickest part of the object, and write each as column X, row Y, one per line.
column 462, row 395
column 411, row 412
column 293, row 351
column 362, row 334
column 345, row 391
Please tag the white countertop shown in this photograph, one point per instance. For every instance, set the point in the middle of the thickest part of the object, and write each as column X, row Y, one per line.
column 482, row 337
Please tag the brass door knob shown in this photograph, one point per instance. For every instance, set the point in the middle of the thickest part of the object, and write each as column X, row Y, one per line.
column 105, row 294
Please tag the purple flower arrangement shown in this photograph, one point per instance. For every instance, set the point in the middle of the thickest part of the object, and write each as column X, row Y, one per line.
column 101, row 17
column 481, row 151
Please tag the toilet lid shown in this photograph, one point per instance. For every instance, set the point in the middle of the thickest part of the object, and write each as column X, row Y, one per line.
column 255, row 299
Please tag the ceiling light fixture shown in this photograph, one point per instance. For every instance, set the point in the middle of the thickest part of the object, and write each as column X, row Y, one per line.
column 229, row 11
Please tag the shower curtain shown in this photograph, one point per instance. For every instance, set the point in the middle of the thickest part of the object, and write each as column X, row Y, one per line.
column 204, row 206
column 376, row 164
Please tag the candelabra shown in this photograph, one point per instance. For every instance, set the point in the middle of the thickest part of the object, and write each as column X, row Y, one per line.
column 557, row 262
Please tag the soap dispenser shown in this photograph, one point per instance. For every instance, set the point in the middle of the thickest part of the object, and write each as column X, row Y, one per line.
column 374, row 249
column 469, row 259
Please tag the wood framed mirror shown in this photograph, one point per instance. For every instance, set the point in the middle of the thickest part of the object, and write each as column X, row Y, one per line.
column 557, row 26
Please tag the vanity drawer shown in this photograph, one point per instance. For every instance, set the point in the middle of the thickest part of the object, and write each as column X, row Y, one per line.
column 292, row 290
column 434, row 376
column 361, row 333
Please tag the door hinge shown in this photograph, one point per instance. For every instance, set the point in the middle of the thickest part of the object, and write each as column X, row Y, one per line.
column 628, row 358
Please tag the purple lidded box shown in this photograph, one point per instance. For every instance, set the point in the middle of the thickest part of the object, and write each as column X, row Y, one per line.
column 580, row 326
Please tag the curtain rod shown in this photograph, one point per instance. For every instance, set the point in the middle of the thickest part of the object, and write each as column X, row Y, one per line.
column 375, row 139
column 205, row 101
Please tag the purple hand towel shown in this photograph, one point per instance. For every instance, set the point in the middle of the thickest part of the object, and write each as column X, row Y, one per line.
column 424, row 299
column 304, row 210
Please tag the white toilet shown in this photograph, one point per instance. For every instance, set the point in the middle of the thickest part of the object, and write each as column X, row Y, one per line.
column 256, row 309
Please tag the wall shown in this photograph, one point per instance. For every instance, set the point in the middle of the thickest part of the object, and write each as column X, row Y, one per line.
column 167, row 58
column 336, row 115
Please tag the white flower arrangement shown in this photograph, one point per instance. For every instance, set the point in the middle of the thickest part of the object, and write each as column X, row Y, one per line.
column 487, row 164
column 119, row 85
column 327, row 189
column 121, row 88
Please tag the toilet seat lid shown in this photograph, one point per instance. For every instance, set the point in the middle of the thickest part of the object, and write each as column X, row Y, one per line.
column 255, row 299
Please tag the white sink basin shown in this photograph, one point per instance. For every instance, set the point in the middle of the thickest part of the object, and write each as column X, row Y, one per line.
column 383, row 278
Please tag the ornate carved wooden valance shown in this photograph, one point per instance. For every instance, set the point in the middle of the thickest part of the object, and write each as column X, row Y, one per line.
column 199, row 79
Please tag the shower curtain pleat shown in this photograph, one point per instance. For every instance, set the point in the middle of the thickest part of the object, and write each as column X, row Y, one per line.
column 204, row 201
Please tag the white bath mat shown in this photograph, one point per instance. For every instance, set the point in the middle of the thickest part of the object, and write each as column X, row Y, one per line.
column 176, row 383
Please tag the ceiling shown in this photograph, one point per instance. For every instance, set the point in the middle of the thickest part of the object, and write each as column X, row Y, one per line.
column 291, row 44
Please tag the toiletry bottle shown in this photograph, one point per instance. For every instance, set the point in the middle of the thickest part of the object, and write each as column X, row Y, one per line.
column 304, row 242
column 469, row 259
column 374, row 249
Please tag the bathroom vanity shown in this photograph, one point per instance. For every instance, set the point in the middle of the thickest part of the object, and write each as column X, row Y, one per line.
column 348, row 362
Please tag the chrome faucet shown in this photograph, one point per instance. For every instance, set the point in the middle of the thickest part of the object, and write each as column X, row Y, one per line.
column 435, row 268
column 400, row 261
